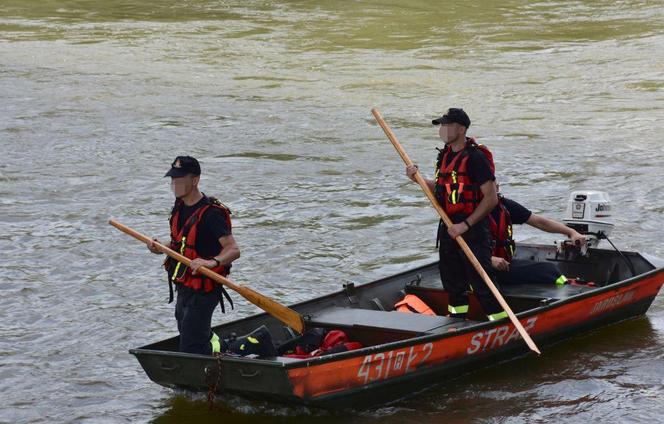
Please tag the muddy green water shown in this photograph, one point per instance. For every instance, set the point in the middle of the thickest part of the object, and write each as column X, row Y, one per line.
column 274, row 98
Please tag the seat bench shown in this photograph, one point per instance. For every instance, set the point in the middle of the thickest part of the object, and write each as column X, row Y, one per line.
column 543, row 291
column 394, row 321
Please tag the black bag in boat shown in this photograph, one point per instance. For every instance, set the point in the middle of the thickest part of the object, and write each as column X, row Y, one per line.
column 258, row 342
column 306, row 343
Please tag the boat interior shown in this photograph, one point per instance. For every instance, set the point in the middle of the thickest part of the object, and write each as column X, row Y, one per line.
column 366, row 313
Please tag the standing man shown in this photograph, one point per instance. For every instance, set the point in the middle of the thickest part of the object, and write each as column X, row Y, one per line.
column 464, row 187
column 522, row 271
column 201, row 231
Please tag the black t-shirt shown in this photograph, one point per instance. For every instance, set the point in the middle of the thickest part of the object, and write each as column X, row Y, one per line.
column 518, row 213
column 212, row 226
column 479, row 170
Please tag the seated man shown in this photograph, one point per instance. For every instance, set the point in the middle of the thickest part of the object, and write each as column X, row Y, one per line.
column 519, row 271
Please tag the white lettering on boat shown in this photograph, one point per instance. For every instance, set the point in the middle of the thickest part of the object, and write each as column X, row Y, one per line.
column 393, row 363
column 496, row 337
column 612, row 302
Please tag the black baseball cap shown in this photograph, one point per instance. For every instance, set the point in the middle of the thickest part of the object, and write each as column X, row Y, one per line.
column 184, row 165
column 453, row 114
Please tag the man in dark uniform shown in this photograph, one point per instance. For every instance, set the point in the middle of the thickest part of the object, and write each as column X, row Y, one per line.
column 465, row 189
column 521, row 271
column 201, row 231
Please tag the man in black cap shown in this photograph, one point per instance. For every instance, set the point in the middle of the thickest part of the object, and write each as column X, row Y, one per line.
column 201, row 231
column 464, row 187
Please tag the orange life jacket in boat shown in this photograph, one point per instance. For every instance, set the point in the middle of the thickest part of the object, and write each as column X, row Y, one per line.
column 500, row 225
column 183, row 241
column 455, row 191
column 413, row 304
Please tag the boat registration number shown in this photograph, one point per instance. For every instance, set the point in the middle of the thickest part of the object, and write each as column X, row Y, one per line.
column 384, row 365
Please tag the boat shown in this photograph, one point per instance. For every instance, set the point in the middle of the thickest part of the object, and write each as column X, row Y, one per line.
column 404, row 353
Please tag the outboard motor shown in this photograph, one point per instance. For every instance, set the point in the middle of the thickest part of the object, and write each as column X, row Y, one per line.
column 587, row 212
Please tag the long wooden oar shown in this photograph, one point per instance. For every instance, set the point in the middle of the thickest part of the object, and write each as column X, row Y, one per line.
column 471, row 257
column 277, row 310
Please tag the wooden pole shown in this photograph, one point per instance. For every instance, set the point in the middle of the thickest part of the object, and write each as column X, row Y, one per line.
column 471, row 257
column 284, row 314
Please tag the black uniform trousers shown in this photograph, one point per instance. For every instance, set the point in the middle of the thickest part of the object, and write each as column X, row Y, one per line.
column 458, row 274
column 193, row 312
column 525, row 271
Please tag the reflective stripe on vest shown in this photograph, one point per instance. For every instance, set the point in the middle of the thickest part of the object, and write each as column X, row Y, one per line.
column 180, row 264
column 413, row 304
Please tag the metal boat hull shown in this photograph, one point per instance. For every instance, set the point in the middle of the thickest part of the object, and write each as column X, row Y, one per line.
column 406, row 352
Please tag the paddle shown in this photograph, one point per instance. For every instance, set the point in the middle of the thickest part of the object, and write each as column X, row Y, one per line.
column 277, row 310
column 460, row 240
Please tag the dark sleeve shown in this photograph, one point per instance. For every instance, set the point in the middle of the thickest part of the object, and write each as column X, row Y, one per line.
column 519, row 213
column 479, row 169
column 215, row 221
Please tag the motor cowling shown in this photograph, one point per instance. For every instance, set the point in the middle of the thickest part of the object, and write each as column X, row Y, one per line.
column 588, row 212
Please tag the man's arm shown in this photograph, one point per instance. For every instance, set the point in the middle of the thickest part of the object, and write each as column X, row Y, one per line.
column 229, row 253
column 486, row 205
column 551, row 226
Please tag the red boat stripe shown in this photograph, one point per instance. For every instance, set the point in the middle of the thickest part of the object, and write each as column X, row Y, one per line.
column 335, row 376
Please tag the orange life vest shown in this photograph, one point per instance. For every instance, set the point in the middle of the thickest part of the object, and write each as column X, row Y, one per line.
column 183, row 240
column 413, row 304
column 455, row 191
column 500, row 225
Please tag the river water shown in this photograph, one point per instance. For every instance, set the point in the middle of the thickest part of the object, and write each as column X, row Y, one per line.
column 274, row 98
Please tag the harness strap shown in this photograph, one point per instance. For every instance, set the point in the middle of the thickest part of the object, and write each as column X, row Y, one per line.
column 225, row 294
column 438, row 232
column 184, row 232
